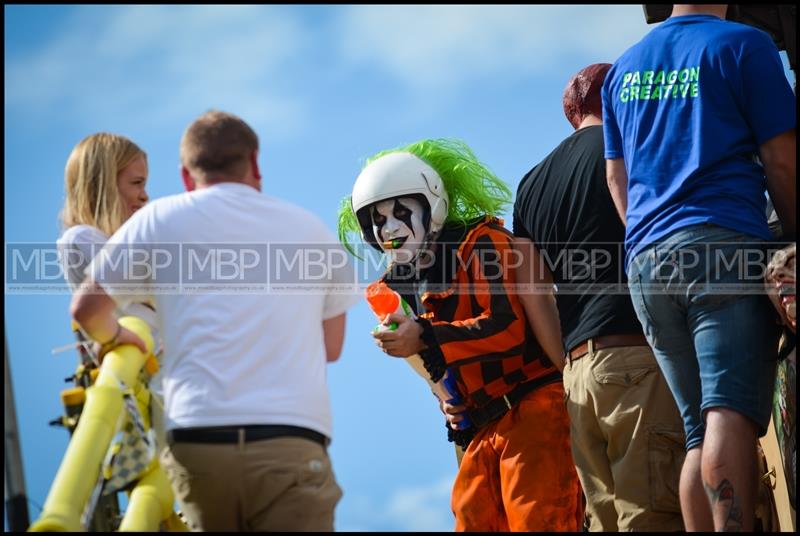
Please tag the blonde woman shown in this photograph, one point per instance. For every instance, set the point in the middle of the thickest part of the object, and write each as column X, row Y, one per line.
column 105, row 180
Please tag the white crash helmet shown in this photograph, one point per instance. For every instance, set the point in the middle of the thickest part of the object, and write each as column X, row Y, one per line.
column 399, row 174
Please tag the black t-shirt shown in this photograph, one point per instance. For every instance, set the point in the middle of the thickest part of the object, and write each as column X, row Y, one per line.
column 564, row 207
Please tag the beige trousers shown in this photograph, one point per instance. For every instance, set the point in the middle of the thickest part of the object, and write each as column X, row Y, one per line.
column 627, row 440
column 283, row 484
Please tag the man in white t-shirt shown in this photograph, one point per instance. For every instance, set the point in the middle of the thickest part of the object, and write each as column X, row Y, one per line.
column 248, row 290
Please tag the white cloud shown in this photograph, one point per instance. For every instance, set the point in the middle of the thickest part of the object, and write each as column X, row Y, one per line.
column 158, row 63
column 161, row 64
column 425, row 508
column 435, row 46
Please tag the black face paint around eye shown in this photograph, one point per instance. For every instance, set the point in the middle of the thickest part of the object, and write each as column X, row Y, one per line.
column 403, row 213
column 378, row 220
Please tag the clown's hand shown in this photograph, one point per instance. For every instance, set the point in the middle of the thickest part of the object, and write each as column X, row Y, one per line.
column 401, row 342
column 453, row 412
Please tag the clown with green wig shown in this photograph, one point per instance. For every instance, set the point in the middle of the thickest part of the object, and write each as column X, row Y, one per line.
column 431, row 208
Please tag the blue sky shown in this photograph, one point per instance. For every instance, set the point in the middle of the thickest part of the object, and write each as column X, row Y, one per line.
column 324, row 87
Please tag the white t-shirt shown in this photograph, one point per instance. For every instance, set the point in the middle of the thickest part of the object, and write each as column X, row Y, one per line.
column 77, row 246
column 76, row 249
column 248, row 348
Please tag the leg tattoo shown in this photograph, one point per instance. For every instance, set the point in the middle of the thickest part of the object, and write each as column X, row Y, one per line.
column 722, row 497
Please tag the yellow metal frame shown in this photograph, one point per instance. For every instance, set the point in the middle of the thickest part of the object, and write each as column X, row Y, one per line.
column 151, row 499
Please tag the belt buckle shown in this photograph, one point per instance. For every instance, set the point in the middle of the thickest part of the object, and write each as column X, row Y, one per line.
column 508, row 403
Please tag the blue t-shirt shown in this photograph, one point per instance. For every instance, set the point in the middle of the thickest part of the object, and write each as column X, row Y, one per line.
column 687, row 108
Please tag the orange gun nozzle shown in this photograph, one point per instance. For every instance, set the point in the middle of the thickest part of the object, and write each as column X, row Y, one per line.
column 382, row 299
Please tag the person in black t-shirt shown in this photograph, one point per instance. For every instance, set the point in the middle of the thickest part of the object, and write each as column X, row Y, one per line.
column 627, row 435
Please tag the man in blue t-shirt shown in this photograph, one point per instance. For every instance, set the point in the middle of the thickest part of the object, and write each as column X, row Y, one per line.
column 686, row 111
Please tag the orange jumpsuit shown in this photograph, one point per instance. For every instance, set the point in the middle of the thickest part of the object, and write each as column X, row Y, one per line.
column 517, row 472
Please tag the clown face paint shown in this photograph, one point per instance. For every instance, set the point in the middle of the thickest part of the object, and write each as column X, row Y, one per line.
column 398, row 228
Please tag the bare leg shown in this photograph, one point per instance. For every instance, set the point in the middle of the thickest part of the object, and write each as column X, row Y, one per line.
column 729, row 469
column 694, row 501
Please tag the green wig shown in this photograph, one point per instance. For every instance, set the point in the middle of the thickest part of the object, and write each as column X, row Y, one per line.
column 473, row 190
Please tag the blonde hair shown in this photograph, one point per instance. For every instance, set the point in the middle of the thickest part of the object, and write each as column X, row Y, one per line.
column 218, row 145
column 90, row 180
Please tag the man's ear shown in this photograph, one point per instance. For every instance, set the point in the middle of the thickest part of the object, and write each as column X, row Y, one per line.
column 254, row 163
column 188, row 181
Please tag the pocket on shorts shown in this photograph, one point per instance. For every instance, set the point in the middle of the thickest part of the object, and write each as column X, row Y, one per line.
column 667, row 452
column 313, row 472
column 624, row 376
column 316, row 479
column 727, row 278
column 715, row 298
column 317, row 474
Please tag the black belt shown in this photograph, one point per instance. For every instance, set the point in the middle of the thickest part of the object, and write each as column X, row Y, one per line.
column 497, row 408
column 234, row 434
